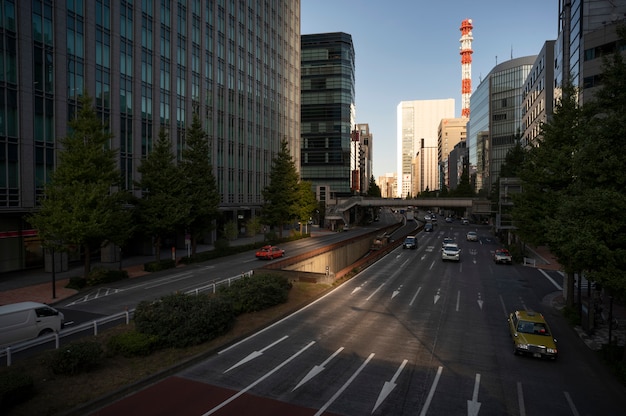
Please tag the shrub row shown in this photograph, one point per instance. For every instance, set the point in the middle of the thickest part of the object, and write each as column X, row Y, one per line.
column 15, row 387
column 255, row 293
column 181, row 320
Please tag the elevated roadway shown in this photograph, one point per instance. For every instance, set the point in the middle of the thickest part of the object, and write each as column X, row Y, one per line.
column 471, row 205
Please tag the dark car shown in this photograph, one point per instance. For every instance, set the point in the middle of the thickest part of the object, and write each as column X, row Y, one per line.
column 428, row 227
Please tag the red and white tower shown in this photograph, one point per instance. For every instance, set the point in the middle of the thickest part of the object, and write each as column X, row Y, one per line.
column 466, row 66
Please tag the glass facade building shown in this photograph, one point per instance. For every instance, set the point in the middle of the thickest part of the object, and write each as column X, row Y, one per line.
column 496, row 109
column 148, row 65
column 327, row 113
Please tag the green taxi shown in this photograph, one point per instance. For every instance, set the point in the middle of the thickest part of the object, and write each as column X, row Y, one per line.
column 531, row 335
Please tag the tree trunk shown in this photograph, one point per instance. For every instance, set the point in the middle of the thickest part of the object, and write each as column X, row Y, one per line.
column 569, row 300
column 87, row 268
column 157, row 249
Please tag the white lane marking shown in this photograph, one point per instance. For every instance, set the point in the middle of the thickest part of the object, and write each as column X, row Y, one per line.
column 571, row 404
column 345, row 386
column 317, row 369
column 480, row 302
column 520, row 399
column 473, row 406
column 415, row 296
column 458, row 300
column 389, row 386
column 256, row 354
column 431, row 265
column 374, row 292
column 431, row 393
column 240, row 393
column 551, row 280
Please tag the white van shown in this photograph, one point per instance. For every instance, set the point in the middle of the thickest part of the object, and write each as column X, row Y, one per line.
column 26, row 320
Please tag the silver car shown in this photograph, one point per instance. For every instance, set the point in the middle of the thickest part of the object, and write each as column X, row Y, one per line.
column 451, row 251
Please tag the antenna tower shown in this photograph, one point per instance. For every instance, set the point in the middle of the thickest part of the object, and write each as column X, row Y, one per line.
column 466, row 66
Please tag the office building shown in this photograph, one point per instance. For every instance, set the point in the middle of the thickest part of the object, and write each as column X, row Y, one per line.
column 538, row 95
column 328, row 114
column 450, row 132
column 148, row 65
column 418, row 121
column 363, row 169
column 495, row 124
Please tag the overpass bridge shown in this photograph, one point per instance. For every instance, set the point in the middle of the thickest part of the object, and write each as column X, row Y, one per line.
column 471, row 205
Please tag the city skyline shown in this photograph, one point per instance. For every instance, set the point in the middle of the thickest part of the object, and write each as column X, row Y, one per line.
column 391, row 44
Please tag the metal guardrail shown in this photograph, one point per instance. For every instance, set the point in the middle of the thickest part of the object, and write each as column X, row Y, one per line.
column 97, row 323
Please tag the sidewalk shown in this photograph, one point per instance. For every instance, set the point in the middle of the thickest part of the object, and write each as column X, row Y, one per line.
column 600, row 334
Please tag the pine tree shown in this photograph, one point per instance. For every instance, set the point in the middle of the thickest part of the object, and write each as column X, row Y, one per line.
column 281, row 195
column 200, row 188
column 162, row 208
column 82, row 204
column 373, row 189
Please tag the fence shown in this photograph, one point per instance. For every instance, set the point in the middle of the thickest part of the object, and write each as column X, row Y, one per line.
column 95, row 325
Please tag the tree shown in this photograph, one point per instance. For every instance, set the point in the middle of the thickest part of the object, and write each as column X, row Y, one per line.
column 306, row 203
column 83, row 204
column 547, row 175
column 373, row 189
column 162, row 208
column 200, row 188
column 281, row 195
column 464, row 188
column 599, row 168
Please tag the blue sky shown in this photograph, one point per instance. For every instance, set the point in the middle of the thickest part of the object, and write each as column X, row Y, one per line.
column 409, row 50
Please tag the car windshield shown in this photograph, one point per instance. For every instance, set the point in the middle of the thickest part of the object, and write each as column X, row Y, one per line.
column 537, row 328
column 450, row 247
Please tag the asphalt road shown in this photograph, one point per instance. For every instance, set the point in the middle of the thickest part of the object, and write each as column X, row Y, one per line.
column 411, row 335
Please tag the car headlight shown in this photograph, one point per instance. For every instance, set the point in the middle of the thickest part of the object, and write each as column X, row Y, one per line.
column 551, row 350
column 522, row 346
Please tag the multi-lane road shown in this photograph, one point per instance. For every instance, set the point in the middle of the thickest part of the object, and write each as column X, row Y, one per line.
column 411, row 335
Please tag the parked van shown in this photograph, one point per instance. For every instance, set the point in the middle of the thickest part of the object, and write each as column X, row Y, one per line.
column 26, row 320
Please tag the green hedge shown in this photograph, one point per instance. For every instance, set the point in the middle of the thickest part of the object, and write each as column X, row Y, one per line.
column 77, row 357
column 132, row 343
column 181, row 320
column 256, row 292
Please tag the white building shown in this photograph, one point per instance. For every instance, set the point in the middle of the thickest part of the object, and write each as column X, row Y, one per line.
column 418, row 123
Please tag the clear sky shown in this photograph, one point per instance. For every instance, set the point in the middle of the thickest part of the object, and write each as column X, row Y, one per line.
column 409, row 50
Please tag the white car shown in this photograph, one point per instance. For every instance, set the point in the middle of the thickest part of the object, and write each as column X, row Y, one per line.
column 471, row 236
column 451, row 251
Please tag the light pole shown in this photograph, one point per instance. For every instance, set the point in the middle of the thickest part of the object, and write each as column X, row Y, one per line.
column 54, row 276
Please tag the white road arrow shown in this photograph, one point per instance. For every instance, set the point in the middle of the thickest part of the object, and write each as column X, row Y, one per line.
column 317, row 369
column 437, row 296
column 396, row 292
column 389, row 386
column 256, row 354
column 480, row 302
column 473, row 406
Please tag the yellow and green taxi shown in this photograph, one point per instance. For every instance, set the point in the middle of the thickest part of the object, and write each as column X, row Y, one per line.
column 531, row 335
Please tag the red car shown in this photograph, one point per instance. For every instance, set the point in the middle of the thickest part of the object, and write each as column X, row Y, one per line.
column 269, row 253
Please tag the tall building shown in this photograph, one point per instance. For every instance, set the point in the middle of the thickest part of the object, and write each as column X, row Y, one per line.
column 450, row 132
column 148, row 65
column 417, row 159
column 538, row 95
column 327, row 114
column 496, row 109
column 365, row 149
column 388, row 184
